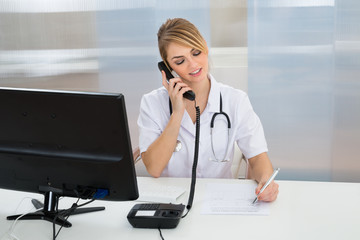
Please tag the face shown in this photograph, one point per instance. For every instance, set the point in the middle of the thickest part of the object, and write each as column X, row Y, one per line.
column 190, row 64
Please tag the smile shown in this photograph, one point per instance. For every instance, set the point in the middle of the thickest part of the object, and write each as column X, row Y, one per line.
column 197, row 72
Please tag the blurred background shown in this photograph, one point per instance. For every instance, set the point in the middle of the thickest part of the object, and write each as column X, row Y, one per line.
column 299, row 61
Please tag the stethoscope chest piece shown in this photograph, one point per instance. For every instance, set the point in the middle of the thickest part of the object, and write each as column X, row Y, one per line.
column 178, row 146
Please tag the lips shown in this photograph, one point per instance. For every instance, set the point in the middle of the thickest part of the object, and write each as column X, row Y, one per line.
column 196, row 72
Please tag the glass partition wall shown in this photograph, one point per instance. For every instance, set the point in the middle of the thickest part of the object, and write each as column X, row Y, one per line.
column 298, row 61
column 304, row 68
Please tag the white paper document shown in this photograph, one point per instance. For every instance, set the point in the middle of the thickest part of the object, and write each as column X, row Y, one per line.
column 222, row 199
column 156, row 192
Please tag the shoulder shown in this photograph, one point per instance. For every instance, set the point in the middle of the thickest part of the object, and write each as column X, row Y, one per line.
column 232, row 94
column 155, row 102
column 155, row 97
column 235, row 101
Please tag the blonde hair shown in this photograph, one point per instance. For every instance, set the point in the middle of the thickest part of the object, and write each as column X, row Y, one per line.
column 182, row 32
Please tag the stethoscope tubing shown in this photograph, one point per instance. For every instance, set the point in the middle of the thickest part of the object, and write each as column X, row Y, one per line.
column 221, row 112
column 212, row 127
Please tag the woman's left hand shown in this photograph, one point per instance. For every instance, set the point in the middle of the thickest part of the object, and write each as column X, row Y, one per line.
column 269, row 194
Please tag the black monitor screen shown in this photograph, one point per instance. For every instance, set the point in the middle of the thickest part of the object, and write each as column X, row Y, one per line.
column 69, row 143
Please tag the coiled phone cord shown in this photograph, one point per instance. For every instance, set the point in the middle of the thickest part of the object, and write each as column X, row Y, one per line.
column 196, row 154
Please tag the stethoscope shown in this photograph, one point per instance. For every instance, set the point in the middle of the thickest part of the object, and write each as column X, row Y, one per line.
column 221, row 112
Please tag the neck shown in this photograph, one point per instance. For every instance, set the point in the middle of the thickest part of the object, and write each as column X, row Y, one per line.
column 201, row 89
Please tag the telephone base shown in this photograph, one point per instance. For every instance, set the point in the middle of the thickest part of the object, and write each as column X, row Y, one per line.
column 155, row 215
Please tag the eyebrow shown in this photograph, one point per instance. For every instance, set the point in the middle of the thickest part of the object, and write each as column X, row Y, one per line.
column 175, row 57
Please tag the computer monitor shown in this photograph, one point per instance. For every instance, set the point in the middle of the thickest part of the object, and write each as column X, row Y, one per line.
column 64, row 143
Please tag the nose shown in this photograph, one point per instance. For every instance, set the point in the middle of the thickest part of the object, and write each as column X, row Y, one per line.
column 192, row 63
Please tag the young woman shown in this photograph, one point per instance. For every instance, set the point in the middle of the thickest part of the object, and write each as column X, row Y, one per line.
column 167, row 119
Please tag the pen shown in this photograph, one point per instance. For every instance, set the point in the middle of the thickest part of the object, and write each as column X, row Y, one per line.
column 267, row 184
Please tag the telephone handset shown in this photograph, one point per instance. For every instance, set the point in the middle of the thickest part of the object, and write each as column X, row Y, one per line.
column 162, row 67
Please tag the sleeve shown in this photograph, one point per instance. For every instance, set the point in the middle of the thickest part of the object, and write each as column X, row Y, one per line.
column 250, row 135
column 149, row 122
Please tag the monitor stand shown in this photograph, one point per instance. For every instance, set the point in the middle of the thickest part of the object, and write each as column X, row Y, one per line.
column 50, row 213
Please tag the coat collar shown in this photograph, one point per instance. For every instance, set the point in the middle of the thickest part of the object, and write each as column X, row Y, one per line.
column 214, row 95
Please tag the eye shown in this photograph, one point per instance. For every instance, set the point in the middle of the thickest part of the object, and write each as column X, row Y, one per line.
column 179, row 62
column 196, row 53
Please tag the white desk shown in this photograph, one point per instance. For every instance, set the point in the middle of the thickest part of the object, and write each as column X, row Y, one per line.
column 303, row 210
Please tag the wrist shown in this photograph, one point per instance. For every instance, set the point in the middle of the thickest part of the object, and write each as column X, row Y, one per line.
column 177, row 115
column 174, row 124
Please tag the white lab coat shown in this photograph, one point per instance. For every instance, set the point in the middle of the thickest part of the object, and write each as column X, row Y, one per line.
column 246, row 130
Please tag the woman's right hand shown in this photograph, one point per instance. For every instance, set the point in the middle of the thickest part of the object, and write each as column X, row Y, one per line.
column 175, row 93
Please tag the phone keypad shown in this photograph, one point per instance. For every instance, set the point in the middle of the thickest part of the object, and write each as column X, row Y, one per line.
column 151, row 206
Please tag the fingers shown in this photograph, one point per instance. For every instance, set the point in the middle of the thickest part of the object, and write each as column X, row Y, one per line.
column 174, row 86
column 164, row 81
column 269, row 194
